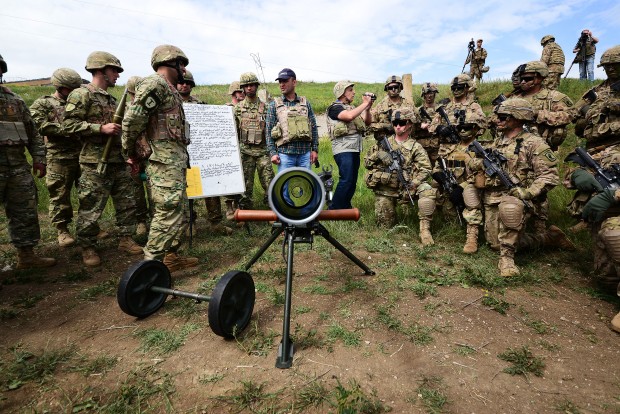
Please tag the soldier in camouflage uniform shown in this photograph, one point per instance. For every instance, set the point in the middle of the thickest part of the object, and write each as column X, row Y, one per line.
column 88, row 115
column 236, row 93
column 599, row 124
column 477, row 58
column 381, row 124
column 553, row 57
column 429, row 141
column 63, row 151
column 346, row 125
column 532, row 165
column 416, row 168
column 18, row 192
column 158, row 110
column 250, row 117
column 456, row 157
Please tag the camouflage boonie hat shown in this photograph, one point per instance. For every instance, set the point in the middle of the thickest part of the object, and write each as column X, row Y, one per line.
column 3, row 66
column 429, row 87
column 393, row 79
column 518, row 108
column 547, row 38
column 403, row 113
column 66, row 78
column 167, row 53
column 248, row 78
column 189, row 78
column 340, row 87
column 462, row 79
column 537, row 66
column 131, row 84
column 610, row 56
column 234, row 87
column 99, row 60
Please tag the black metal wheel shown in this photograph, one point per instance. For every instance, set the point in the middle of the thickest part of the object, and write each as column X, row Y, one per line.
column 134, row 294
column 232, row 303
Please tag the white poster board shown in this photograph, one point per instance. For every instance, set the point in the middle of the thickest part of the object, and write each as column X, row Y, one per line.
column 214, row 154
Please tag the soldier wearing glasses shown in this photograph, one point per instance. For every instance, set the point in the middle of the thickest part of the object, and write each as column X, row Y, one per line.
column 381, row 124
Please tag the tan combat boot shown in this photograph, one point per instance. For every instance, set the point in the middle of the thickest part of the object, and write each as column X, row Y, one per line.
column 581, row 226
column 90, row 257
column 175, row 262
column 425, row 233
column 471, row 244
column 127, row 244
column 506, row 265
column 615, row 323
column 230, row 210
column 26, row 259
column 64, row 237
column 540, row 226
column 556, row 238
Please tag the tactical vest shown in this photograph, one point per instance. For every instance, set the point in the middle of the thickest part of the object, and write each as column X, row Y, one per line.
column 553, row 135
column 603, row 126
column 251, row 122
column 105, row 105
column 12, row 128
column 556, row 56
column 169, row 124
column 293, row 122
column 338, row 128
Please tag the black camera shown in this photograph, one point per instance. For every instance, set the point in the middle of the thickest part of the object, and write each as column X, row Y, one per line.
column 459, row 115
column 373, row 97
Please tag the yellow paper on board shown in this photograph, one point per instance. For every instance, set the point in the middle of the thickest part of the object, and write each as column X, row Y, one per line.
column 194, row 183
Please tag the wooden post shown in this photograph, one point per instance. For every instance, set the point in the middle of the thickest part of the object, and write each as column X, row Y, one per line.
column 408, row 88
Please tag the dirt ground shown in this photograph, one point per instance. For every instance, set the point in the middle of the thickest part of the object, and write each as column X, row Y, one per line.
column 451, row 344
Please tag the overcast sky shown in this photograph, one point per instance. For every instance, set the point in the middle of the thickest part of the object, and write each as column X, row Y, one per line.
column 324, row 40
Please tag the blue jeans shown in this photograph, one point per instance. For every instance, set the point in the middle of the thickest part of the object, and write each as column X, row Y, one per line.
column 348, row 167
column 586, row 69
column 294, row 160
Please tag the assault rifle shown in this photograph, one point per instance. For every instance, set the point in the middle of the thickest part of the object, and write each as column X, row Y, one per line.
column 425, row 114
column 449, row 132
column 396, row 166
column 606, row 177
column 500, row 98
column 119, row 114
column 493, row 161
column 451, row 187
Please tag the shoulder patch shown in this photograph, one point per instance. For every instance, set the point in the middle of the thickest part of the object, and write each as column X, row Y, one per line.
column 69, row 107
column 549, row 155
column 151, row 101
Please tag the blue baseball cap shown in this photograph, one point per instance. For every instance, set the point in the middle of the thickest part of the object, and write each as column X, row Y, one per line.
column 285, row 74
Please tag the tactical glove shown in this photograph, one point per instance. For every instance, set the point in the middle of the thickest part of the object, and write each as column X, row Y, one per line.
column 384, row 157
column 594, row 209
column 521, row 193
column 584, row 181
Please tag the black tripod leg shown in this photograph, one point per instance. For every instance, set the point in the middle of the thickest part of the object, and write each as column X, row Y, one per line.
column 192, row 217
column 286, row 350
column 274, row 235
column 325, row 233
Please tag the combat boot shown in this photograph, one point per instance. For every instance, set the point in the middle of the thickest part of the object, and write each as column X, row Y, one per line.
column 581, row 226
column 425, row 233
column 554, row 237
column 230, row 210
column 506, row 265
column 26, row 259
column 540, row 226
column 102, row 235
column 471, row 244
column 175, row 262
column 64, row 237
column 615, row 323
column 90, row 257
column 219, row 228
column 127, row 244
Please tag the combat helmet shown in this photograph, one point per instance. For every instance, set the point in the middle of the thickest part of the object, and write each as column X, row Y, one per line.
column 462, row 79
column 248, row 78
column 518, row 108
column 475, row 118
column 167, row 53
column 341, row 86
column 131, row 84
column 547, row 38
column 99, row 60
column 537, row 66
column 429, row 87
column 234, row 87
column 393, row 79
column 610, row 56
column 405, row 113
column 66, row 78
column 3, row 67
column 189, row 78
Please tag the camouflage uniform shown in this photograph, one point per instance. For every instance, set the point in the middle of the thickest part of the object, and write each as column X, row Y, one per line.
column 477, row 59
column 158, row 109
column 88, row 108
column 553, row 57
column 250, row 117
column 63, row 151
column 429, row 141
column 381, row 113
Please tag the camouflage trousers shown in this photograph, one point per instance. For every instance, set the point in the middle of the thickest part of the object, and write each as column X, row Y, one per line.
column 143, row 212
column 252, row 164
column 93, row 193
column 606, row 236
column 475, row 72
column 214, row 209
column 472, row 214
column 18, row 193
column 170, row 209
column 385, row 205
column 552, row 81
column 62, row 176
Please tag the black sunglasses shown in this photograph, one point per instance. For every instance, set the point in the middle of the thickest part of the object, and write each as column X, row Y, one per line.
column 527, row 78
column 503, row 117
column 399, row 122
column 467, row 127
column 393, row 88
column 458, row 87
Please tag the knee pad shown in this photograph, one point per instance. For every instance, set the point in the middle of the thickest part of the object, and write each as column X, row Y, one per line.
column 471, row 196
column 511, row 211
column 611, row 240
column 426, row 206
